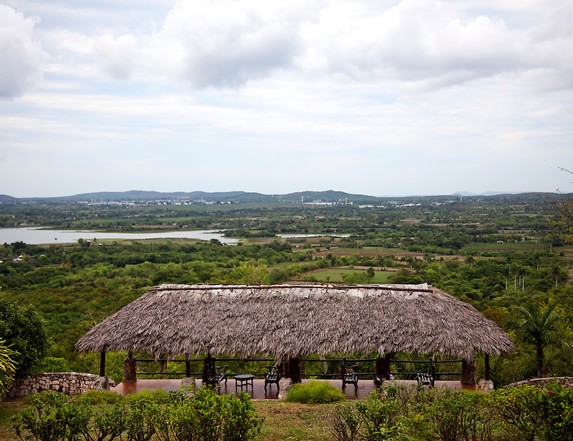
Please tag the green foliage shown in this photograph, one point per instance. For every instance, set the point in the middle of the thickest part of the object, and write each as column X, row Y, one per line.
column 53, row 364
column 461, row 415
column 98, row 416
column 7, row 368
column 538, row 326
column 536, row 413
column 23, row 330
column 409, row 413
column 52, row 417
column 379, row 414
column 314, row 392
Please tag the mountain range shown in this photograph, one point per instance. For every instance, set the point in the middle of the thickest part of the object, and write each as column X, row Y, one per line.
column 242, row 197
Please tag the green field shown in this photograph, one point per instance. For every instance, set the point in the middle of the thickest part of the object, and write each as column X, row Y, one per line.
column 505, row 247
column 337, row 275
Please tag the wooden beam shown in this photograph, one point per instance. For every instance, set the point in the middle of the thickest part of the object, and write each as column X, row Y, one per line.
column 129, row 369
column 187, row 365
column 468, row 372
column 383, row 367
column 102, row 363
column 487, row 368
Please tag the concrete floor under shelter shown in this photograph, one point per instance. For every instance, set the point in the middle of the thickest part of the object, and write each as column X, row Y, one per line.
column 258, row 391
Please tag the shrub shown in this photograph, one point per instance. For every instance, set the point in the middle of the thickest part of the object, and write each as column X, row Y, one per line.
column 205, row 416
column 532, row 413
column 50, row 418
column 462, row 415
column 7, row 368
column 380, row 414
column 99, row 397
column 345, row 423
column 408, row 413
column 314, row 392
column 24, row 332
column 53, row 364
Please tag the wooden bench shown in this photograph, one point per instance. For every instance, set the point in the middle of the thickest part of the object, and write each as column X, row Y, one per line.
column 216, row 376
column 425, row 379
column 273, row 377
column 349, row 375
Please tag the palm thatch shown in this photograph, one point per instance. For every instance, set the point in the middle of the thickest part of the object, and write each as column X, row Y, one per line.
column 297, row 320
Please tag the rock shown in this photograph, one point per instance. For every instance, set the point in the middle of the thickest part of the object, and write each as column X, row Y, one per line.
column 284, row 386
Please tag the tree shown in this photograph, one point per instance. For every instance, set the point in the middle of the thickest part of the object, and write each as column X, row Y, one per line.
column 23, row 331
column 7, row 368
column 538, row 326
column 566, row 213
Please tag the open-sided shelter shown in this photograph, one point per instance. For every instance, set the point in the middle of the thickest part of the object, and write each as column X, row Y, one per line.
column 290, row 321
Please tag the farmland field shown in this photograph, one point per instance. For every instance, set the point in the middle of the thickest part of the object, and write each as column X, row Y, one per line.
column 337, row 275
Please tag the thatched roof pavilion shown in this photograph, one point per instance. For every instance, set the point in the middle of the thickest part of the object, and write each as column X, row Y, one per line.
column 296, row 320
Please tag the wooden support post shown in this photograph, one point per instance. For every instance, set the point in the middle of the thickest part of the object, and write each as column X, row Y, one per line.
column 292, row 369
column 468, row 372
column 187, row 365
column 102, row 363
column 487, row 372
column 383, row 367
column 208, row 367
column 129, row 369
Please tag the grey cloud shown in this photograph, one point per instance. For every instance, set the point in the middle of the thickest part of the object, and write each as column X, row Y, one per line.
column 21, row 55
column 227, row 43
column 116, row 56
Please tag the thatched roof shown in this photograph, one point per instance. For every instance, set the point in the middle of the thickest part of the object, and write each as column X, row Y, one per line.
column 297, row 320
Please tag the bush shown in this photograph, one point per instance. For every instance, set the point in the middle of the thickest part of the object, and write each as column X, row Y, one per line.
column 535, row 413
column 408, row 413
column 99, row 397
column 314, row 392
column 52, row 417
column 23, row 331
column 462, row 415
column 53, row 364
column 7, row 368
column 205, row 416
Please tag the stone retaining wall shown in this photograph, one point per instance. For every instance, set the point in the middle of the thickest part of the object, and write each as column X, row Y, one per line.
column 71, row 383
column 540, row 382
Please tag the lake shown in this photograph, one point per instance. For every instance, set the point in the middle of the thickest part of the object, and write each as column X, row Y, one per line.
column 37, row 236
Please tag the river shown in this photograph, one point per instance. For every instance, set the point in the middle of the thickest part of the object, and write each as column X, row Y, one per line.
column 37, row 236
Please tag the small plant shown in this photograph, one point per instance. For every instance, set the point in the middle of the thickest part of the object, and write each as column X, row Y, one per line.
column 345, row 423
column 314, row 392
column 380, row 415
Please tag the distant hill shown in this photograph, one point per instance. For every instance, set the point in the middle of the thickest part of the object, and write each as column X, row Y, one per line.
column 5, row 199
column 230, row 196
column 250, row 197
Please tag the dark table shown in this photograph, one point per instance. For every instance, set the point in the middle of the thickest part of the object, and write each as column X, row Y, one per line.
column 243, row 381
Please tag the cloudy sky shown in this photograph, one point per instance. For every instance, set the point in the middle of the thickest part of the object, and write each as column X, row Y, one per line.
column 381, row 97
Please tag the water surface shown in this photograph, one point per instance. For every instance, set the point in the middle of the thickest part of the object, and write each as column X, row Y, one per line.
column 37, row 236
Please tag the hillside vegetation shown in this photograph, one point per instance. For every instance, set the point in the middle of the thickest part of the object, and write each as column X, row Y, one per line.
column 498, row 253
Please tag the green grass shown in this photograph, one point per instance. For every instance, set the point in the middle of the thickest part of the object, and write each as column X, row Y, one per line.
column 294, row 421
column 506, row 247
column 283, row 421
column 335, row 275
column 7, row 410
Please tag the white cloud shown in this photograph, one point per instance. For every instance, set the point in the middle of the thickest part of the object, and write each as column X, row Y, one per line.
column 116, row 56
column 21, row 55
column 226, row 42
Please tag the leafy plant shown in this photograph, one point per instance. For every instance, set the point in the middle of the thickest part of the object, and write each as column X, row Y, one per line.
column 23, row 330
column 531, row 413
column 462, row 415
column 539, row 327
column 314, row 392
column 7, row 368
